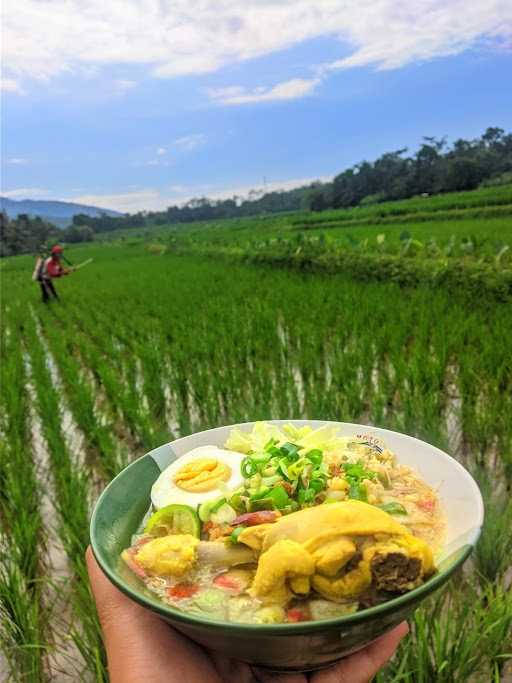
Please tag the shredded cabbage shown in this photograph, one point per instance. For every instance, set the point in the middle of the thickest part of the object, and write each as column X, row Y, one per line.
column 246, row 442
column 324, row 438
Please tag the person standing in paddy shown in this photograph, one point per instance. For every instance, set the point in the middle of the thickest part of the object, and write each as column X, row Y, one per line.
column 47, row 269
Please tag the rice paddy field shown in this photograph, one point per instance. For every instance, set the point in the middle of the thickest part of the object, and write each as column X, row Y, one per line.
column 149, row 343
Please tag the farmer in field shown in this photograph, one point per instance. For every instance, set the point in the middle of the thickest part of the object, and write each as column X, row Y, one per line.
column 47, row 269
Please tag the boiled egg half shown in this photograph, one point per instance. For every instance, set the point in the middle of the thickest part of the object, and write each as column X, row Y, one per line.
column 195, row 477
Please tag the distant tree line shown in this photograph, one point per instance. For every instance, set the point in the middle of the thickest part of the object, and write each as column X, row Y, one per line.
column 23, row 234
column 27, row 235
column 435, row 167
column 204, row 209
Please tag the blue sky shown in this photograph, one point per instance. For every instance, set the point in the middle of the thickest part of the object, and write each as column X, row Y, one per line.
column 174, row 103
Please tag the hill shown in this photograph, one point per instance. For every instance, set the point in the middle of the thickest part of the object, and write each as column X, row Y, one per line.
column 58, row 213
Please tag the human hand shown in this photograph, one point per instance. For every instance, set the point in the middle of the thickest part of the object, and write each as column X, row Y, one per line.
column 142, row 648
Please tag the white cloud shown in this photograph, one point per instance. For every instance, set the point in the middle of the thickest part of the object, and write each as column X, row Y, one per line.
column 190, row 141
column 122, row 86
column 187, row 143
column 152, row 199
column 11, row 85
column 17, row 161
column 129, row 202
column 158, row 160
column 276, row 185
column 26, row 193
column 288, row 90
column 44, row 38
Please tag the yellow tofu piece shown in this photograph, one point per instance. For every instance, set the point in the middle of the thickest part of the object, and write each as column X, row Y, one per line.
column 284, row 560
column 169, row 555
column 312, row 546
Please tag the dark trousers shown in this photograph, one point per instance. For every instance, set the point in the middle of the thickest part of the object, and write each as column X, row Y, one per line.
column 47, row 290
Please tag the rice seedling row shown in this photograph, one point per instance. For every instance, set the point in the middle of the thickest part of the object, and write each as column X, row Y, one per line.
column 23, row 618
column 103, row 448
column 73, row 499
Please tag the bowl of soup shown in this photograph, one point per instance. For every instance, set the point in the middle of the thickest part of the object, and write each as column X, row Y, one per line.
column 287, row 544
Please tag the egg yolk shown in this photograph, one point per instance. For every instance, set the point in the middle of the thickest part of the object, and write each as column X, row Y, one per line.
column 202, row 475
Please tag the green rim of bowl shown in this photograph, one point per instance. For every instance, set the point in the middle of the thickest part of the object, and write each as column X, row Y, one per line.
column 451, row 564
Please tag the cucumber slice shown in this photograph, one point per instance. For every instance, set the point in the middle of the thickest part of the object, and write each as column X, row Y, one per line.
column 174, row 519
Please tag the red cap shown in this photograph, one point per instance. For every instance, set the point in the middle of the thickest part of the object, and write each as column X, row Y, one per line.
column 57, row 249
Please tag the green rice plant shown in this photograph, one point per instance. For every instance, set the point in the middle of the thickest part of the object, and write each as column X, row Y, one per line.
column 22, row 622
column 80, row 396
column 23, row 618
column 460, row 636
column 151, row 354
column 494, row 548
column 72, row 492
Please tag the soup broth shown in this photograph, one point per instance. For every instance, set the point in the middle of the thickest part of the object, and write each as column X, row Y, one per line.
column 295, row 525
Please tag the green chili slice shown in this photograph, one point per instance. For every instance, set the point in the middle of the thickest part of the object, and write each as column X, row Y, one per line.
column 393, row 508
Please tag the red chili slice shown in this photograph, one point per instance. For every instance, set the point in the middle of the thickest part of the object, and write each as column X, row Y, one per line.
column 227, row 583
column 182, row 590
column 295, row 615
column 254, row 518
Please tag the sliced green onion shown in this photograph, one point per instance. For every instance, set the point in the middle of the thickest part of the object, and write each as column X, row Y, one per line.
column 316, row 456
column 291, row 450
column 260, row 458
column 237, row 503
column 357, row 471
column 260, row 493
column 255, row 481
column 248, row 467
column 268, row 471
column 306, row 496
column 270, row 481
column 283, row 466
column 357, row 491
column 295, row 469
column 236, row 533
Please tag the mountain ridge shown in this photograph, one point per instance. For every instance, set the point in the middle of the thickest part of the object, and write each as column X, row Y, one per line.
column 58, row 212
